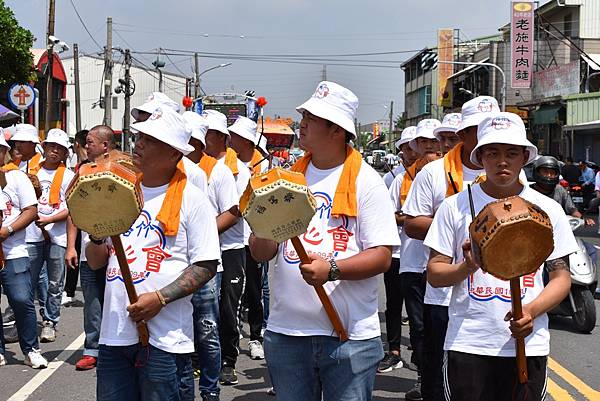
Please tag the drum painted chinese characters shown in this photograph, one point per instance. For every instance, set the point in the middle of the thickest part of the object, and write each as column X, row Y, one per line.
column 105, row 199
column 511, row 238
column 279, row 206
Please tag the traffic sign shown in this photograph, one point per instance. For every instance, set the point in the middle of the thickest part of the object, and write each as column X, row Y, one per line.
column 21, row 96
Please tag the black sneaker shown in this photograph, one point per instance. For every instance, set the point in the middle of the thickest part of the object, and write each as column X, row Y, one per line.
column 389, row 362
column 228, row 376
column 210, row 397
column 414, row 394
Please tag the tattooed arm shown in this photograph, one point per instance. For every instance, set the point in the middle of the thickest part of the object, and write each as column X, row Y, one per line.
column 556, row 290
column 193, row 277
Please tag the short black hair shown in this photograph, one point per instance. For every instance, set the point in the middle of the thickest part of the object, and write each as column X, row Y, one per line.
column 569, row 159
column 81, row 136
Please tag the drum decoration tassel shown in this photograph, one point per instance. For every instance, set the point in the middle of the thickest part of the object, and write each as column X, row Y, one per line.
column 104, row 200
column 279, row 206
column 518, row 228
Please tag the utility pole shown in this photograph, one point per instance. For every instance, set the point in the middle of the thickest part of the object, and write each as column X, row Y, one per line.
column 391, row 132
column 108, row 64
column 49, row 66
column 324, row 73
column 126, row 116
column 77, row 88
column 197, row 76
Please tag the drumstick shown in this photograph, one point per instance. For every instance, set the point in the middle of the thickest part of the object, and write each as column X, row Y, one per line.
column 517, row 312
column 334, row 318
column 126, row 274
column 455, row 188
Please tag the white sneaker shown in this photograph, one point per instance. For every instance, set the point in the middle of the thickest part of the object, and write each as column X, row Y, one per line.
column 65, row 300
column 48, row 333
column 36, row 360
column 256, row 350
column 2, row 360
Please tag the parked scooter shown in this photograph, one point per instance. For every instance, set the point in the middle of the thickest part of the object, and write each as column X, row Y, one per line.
column 579, row 304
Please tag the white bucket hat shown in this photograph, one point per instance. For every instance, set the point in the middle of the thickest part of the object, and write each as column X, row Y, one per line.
column 197, row 124
column 216, row 121
column 476, row 110
column 59, row 137
column 244, row 127
column 449, row 124
column 169, row 127
column 504, row 128
column 424, row 130
column 334, row 103
column 407, row 135
column 154, row 101
column 2, row 140
column 26, row 133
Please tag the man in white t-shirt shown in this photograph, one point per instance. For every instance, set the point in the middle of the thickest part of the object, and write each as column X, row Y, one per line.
column 18, row 207
column 401, row 167
column 233, row 252
column 173, row 250
column 480, row 342
column 243, row 138
column 391, row 279
column 223, row 196
column 431, row 186
column 47, row 236
column 349, row 242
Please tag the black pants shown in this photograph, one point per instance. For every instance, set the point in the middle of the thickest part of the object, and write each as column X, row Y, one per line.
column 232, row 288
column 413, row 288
column 393, row 305
column 73, row 274
column 471, row 377
column 435, row 323
column 253, row 296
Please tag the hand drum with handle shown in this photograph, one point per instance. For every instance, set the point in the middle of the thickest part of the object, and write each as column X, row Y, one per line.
column 511, row 238
column 279, row 206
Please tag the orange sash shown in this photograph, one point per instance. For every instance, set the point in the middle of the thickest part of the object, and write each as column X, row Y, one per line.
column 207, row 163
column 453, row 166
column 54, row 198
column 33, row 165
column 170, row 210
column 255, row 162
column 231, row 161
column 344, row 200
column 407, row 181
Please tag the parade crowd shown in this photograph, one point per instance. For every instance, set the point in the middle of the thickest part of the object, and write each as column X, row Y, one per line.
column 196, row 263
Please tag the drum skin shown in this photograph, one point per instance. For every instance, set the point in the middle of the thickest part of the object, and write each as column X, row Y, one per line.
column 278, row 205
column 511, row 237
column 105, row 198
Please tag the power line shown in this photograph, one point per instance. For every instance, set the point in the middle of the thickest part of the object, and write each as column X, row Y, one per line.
column 84, row 26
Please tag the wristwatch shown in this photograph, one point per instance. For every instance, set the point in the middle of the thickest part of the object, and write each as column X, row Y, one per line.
column 334, row 271
column 10, row 230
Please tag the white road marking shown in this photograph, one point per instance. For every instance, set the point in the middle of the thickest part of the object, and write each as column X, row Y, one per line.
column 44, row 374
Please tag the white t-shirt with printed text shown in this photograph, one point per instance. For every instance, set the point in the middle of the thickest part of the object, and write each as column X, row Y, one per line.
column 479, row 303
column 16, row 196
column 157, row 260
column 296, row 309
column 233, row 238
column 56, row 231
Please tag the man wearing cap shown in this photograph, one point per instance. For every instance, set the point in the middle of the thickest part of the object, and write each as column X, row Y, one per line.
column 349, row 243
column 174, row 247
column 401, row 167
column 480, row 341
column 47, row 236
column 438, row 180
column 223, row 196
column 391, row 279
column 26, row 139
column 446, row 133
column 18, row 205
column 232, row 247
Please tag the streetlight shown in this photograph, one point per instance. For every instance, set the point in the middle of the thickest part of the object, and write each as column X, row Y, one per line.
column 587, row 81
column 197, row 84
column 503, row 94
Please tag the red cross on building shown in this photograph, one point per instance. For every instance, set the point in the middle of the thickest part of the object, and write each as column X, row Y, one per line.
column 22, row 95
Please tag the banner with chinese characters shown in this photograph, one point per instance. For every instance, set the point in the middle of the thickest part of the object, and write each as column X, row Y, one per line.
column 521, row 44
column 445, row 53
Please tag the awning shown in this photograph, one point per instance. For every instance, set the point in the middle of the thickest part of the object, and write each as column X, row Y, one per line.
column 470, row 68
column 546, row 115
column 593, row 60
column 583, row 126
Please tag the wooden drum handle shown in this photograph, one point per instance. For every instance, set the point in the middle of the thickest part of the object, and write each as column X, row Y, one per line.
column 131, row 294
column 517, row 311
column 334, row 318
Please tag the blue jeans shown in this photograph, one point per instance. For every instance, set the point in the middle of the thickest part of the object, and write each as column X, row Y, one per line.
column 136, row 373
column 266, row 293
column 92, row 286
column 206, row 335
column 15, row 278
column 303, row 368
column 54, row 257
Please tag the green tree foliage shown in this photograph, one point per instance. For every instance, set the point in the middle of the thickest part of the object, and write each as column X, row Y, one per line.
column 16, row 65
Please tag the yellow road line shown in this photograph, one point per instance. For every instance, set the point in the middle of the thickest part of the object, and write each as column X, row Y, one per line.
column 558, row 393
column 574, row 381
